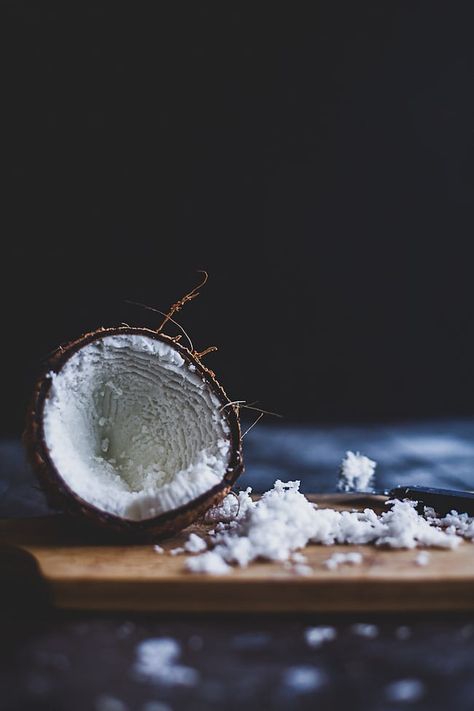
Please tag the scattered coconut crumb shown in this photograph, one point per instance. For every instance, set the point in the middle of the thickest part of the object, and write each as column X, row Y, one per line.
column 177, row 551
column 157, row 662
column 301, row 569
column 209, row 563
column 362, row 629
column 283, row 521
column 357, row 473
column 195, row 544
column 338, row 559
column 405, row 691
column 423, row 558
column 316, row 636
column 298, row 558
column 158, row 549
column 403, row 632
column 304, row 679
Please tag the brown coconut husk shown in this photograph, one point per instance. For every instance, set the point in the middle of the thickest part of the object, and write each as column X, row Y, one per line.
column 60, row 496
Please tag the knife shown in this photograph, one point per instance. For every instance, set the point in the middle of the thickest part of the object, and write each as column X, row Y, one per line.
column 441, row 500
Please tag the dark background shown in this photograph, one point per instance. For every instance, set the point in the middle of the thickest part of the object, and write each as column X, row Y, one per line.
column 316, row 159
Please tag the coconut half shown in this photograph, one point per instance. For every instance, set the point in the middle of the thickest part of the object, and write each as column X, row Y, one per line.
column 129, row 428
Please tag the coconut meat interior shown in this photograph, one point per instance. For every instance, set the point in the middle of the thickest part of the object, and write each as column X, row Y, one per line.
column 133, row 428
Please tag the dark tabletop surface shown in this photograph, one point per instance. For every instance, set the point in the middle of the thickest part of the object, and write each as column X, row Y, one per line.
column 55, row 661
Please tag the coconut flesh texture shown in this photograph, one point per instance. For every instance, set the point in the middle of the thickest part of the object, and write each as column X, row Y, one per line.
column 133, row 429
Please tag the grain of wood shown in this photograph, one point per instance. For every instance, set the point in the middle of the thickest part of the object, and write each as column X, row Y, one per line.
column 84, row 573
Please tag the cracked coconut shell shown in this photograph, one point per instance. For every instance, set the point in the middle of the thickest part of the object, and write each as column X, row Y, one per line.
column 128, row 429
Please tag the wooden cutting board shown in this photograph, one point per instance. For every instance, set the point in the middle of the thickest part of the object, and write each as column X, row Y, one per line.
column 81, row 573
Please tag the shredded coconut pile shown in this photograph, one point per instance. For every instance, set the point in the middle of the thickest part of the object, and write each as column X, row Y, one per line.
column 461, row 524
column 283, row 521
column 357, row 473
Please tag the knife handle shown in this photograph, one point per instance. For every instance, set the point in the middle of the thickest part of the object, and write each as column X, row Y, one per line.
column 441, row 500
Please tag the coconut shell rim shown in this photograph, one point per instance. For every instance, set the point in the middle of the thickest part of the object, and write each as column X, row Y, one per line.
column 59, row 493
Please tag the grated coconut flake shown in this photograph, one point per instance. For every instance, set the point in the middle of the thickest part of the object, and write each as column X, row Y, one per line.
column 357, row 473
column 283, row 522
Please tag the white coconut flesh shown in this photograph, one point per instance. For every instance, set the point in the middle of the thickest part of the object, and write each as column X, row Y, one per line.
column 133, row 428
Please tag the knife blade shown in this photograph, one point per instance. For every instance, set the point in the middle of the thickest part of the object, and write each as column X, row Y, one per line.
column 441, row 500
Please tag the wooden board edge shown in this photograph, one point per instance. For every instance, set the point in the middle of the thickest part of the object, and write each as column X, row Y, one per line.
column 265, row 596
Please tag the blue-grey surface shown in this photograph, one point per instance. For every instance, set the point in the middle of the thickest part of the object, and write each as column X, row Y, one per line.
column 56, row 662
column 86, row 663
column 437, row 453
